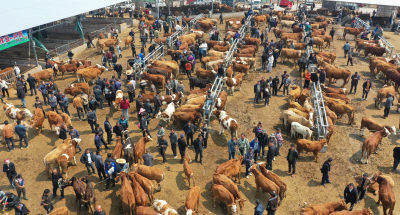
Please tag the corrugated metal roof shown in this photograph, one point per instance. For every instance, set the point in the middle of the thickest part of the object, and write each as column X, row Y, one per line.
column 26, row 14
column 394, row 3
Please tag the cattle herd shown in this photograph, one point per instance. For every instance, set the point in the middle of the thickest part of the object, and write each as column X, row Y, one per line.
column 139, row 185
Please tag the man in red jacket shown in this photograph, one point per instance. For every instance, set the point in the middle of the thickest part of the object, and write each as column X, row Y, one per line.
column 124, row 105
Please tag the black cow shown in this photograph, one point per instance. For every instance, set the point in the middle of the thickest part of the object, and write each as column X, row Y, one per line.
column 198, row 82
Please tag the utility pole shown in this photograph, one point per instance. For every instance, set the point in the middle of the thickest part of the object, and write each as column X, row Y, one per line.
column 113, row 11
column 158, row 9
column 33, row 47
column 212, row 8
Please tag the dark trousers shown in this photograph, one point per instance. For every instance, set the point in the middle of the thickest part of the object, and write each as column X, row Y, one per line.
column 269, row 163
column 280, row 86
column 144, row 132
column 275, row 90
column 54, row 109
column 92, row 124
column 271, row 212
column 4, row 91
column 156, row 110
column 79, row 110
column 292, row 165
column 173, row 147
column 101, row 172
column 100, row 101
column 131, row 96
column 8, row 141
column 110, row 180
column 199, row 153
column 257, row 97
column 189, row 137
column 345, row 52
column 55, row 187
column 262, row 150
column 231, row 155
column 256, row 153
column 395, row 164
column 355, row 87
column 65, row 110
column 162, row 153
column 350, row 59
column 361, row 193
column 11, row 180
column 182, row 153
column 23, row 191
column 49, row 208
column 306, row 84
column 33, row 88
column 88, row 166
column 285, row 88
column 325, row 178
column 365, row 94
column 247, row 168
column 386, row 112
column 103, row 141
column 25, row 139
column 351, row 204
column 205, row 142
column 266, row 100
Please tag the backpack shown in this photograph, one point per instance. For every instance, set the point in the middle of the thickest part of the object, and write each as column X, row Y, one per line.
column 188, row 66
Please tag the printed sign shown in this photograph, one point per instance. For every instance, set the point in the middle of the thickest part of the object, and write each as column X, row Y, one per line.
column 14, row 39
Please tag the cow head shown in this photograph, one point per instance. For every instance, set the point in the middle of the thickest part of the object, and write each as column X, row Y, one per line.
column 233, row 208
column 27, row 113
column 57, row 128
column 189, row 212
column 393, row 130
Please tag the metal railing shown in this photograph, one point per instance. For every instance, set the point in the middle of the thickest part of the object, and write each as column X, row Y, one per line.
column 361, row 23
column 58, row 51
column 387, row 45
column 160, row 50
column 321, row 121
column 9, row 77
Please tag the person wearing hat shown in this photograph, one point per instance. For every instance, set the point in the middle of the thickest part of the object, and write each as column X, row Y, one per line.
column 326, row 168
column 292, row 157
column 350, row 195
column 259, row 209
column 46, row 201
column 73, row 133
column 9, row 169
column 272, row 205
column 388, row 104
column 363, row 183
column 182, row 146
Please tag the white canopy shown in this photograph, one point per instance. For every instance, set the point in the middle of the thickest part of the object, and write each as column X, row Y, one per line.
column 25, row 14
column 394, row 3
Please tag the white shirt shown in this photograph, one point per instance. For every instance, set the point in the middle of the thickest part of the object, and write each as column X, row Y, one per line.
column 89, row 158
column 203, row 46
column 4, row 84
column 17, row 70
column 133, row 82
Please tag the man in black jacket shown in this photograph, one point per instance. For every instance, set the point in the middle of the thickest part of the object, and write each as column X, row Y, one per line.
column 275, row 83
column 257, row 92
column 350, row 195
column 162, row 147
column 182, row 147
column 32, row 84
column 9, row 169
column 354, row 82
column 157, row 104
column 21, row 209
column 92, row 119
column 396, row 157
column 98, row 162
column 272, row 205
column 108, row 128
column 189, row 130
column 99, row 131
column 55, row 178
column 270, row 155
column 88, row 159
column 198, row 147
column 98, row 94
column 292, row 158
column 149, row 109
column 283, row 77
column 326, row 168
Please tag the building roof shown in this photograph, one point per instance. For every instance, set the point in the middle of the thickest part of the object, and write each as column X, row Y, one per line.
column 26, row 14
column 394, row 3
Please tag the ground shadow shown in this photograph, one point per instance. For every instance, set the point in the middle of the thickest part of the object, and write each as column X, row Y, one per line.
column 356, row 157
column 313, row 183
column 219, row 140
column 356, row 136
column 181, row 181
column 372, row 204
column 385, row 169
column 281, row 173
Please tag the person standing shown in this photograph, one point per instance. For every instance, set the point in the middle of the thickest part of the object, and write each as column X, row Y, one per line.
column 55, row 178
column 388, row 104
column 292, row 157
column 20, row 186
column 173, row 139
column 257, row 92
column 275, row 83
column 124, row 105
column 396, row 158
column 332, row 33
column 232, row 143
column 354, row 82
column 322, row 76
column 279, row 141
column 272, row 205
column 32, row 84
column 157, row 104
column 44, row 91
column 21, row 95
column 283, row 77
column 111, row 173
column 9, row 169
column 88, row 159
column 267, row 95
column 46, row 201
column 108, row 128
column 286, row 85
column 98, row 95
column 70, row 54
column 148, row 158
column 248, row 160
column 189, row 130
column 64, row 104
column 4, row 88
column 363, row 183
column 63, row 132
column 53, row 102
column 99, row 131
column 271, row 155
column 243, row 144
column 270, row 63
column 204, row 133
column 259, row 209
column 21, row 132
column 131, row 89
column 92, row 119
column 307, row 79
column 346, row 48
column 366, row 88
column 350, row 57
column 198, row 148
column 98, row 162
column 8, row 134
column 350, row 195
column 73, row 133
column 254, row 145
column 162, row 147
column 326, row 168
column 182, row 147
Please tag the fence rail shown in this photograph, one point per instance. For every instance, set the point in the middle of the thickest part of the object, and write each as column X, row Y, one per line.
column 9, row 77
column 321, row 121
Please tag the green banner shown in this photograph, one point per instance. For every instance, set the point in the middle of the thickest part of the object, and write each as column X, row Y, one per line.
column 14, row 39
column 79, row 29
column 39, row 44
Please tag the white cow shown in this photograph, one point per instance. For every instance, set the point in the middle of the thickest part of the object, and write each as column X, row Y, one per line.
column 297, row 128
column 227, row 122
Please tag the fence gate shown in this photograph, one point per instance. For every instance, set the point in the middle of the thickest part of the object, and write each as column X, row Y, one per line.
column 321, row 121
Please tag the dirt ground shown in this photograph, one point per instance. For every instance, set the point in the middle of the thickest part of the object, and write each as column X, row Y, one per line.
column 303, row 188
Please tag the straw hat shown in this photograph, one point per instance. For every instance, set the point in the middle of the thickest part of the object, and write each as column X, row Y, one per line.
column 121, row 161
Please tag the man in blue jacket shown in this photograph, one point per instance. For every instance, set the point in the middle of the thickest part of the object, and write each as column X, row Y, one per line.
column 21, row 131
column 259, row 209
column 111, row 173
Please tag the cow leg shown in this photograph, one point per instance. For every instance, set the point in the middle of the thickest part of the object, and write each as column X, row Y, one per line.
column 361, row 131
column 316, row 156
column 220, row 128
column 74, row 161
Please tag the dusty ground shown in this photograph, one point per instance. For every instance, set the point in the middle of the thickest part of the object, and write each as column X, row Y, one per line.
column 302, row 188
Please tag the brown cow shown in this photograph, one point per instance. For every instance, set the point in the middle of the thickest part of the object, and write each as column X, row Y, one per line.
column 128, row 41
column 192, row 200
column 226, row 122
column 117, row 152
column 142, row 210
column 334, row 90
column 263, row 182
column 156, row 79
column 139, row 149
column 377, row 51
column 230, row 186
column 310, row 146
column 371, row 125
column 331, row 56
column 231, row 168
column 221, row 193
column 188, row 170
column 231, row 83
column 276, row 179
column 146, row 184
column 77, row 88
column 338, row 96
column 383, row 94
column 341, row 108
column 72, row 67
column 89, row 197
column 67, row 156
column 141, row 197
column 38, row 119
column 324, row 209
column 60, row 211
column 360, row 43
column 252, row 41
column 152, row 173
column 102, row 43
column 126, row 195
column 327, row 39
column 371, row 143
column 365, row 211
column 352, row 31
column 221, row 48
column 292, row 36
column 333, row 72
column 386, row 194
column 90, row 73
column 45, row 74
column 54, row 119
column 206, row 74
column 291, row 54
